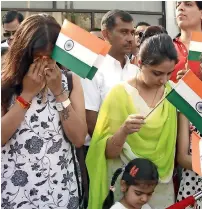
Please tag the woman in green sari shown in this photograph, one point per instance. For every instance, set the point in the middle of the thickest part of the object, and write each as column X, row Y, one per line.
column 123, row 132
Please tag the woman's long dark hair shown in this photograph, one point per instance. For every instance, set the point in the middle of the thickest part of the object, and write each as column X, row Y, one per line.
column 138, row 171
column 36, row 32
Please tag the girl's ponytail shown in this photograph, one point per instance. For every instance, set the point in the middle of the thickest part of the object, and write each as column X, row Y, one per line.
column 109, row 201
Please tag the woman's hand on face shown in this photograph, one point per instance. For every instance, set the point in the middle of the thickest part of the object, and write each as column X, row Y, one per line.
column 53, row 77
column 34, row 80
column 133, row 124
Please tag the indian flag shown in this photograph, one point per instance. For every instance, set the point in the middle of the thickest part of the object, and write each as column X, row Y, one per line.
column 195, row 52
column 196, row 153
column 79, row 51
column 187, row 98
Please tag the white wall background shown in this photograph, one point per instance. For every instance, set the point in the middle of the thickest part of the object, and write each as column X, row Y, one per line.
column 171, row 25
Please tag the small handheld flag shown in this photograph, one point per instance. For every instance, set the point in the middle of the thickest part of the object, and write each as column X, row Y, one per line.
column 79, row 51
column 195, row 52
column 187, row 98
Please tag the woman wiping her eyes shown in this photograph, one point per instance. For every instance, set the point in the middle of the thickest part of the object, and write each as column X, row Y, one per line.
column 41, row 122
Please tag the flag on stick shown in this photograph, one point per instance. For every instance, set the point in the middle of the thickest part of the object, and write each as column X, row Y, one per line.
column 79, row 51
column 187, row 98
column 195, row 52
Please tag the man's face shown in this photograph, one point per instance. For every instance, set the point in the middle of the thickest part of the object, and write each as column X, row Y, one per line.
column 139, row 29
column 10, row 29
column 121, row 36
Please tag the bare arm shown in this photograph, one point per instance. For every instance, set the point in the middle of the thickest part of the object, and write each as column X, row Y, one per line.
column 115, row 144
column 91, row 119
column 32, row 84
column 14, row 116
column 183, row 157
column 74, row 123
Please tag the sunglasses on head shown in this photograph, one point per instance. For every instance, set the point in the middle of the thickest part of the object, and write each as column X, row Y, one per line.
column 8, row 34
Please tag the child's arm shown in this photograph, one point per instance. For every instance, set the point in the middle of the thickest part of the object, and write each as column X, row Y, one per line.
column 183, row 143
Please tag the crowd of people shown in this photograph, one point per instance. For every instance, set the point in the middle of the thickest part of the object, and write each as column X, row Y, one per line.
column 136, row 145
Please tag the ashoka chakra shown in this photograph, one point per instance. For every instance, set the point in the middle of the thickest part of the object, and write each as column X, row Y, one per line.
column 199, row 107
column 69, row 45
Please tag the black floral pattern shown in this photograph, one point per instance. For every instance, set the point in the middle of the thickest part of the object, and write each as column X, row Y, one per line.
column 37, row 167
column 44, row 198
column 73, row 203
column 33, row 192
column 44, row 125
column 34, row 118
column 67, row 177
column 5, row 166
column 34, row 145
column 6, row 204
column 3, row 186
column 63, row 162
column 19, row 178
column 15, row 149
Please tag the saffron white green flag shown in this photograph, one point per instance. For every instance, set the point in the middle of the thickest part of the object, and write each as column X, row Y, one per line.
column 79, row 51
column 187, row 98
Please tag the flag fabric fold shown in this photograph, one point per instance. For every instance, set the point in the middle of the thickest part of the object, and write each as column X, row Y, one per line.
column 79, row 51
column 195, row 52
column 187, row 98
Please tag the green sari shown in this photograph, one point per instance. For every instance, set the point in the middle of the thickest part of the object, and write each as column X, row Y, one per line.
column 155, row 141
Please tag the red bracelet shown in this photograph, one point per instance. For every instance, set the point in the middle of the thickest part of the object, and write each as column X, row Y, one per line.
column 23, row 103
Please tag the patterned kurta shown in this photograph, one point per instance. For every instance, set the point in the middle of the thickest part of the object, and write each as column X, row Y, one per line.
column 37, row 167
column 191, row 183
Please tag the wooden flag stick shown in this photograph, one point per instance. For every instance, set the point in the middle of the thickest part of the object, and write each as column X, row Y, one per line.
column 158, row 103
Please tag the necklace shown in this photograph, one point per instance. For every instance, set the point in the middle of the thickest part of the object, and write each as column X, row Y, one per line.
column 151, row 106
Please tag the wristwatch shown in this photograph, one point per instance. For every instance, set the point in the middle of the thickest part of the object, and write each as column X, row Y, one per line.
column 60, row 106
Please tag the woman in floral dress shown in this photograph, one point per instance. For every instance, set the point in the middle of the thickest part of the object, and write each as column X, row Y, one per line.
column 40, row 122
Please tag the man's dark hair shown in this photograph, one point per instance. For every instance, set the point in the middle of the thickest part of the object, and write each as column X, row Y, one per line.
column 12, row 15
column 142, row 24
column 109, row 19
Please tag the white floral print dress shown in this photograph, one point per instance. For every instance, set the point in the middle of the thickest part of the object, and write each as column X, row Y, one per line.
column 37, row 167
column 191, row 182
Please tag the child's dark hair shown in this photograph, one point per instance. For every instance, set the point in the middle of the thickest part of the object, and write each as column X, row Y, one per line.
column 138, row 171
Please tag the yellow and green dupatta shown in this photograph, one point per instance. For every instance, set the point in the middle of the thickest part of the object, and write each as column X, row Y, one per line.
column 155, row 141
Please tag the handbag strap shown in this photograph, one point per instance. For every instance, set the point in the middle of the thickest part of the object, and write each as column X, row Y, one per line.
column 68, row 75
